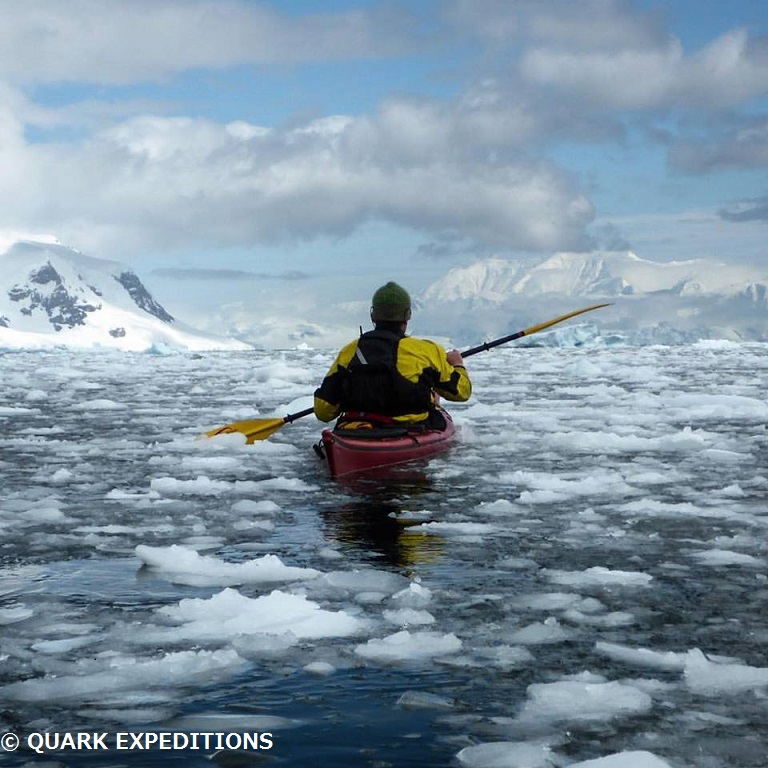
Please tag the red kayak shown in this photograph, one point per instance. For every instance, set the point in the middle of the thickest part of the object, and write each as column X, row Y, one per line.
column 354, row 451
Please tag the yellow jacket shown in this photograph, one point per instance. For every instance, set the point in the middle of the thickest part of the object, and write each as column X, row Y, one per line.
column 417, row 360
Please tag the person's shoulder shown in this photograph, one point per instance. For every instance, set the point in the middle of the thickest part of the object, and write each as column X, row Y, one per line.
column 349, row 348
column 415, row 342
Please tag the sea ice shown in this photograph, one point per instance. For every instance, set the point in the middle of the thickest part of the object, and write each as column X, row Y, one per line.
column 119, row 673
column 642, row 657
column 229, row 613
column 599, row 576
column 574, row 701
column 407, row 646
column 714, row 678
column 509, row 754
column 540, row 633
column 185, row 566
column 636, row 759
column 409, row 617
column 720, row 557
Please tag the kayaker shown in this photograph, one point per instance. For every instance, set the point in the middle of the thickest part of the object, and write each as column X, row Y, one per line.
column 385, row 376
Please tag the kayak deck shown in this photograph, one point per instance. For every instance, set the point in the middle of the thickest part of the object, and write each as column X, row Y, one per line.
column 348, row 453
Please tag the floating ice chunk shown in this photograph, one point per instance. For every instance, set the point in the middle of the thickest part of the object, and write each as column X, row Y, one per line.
column 518, row 563
column 642, row 657
column 61, row 476
column 729, row 408
column 8, row 410
column 733, row 491
column 329, row 553
column 713, row 678
column 211, row 463
column 319, row 668
column 229, row 614
column 719, row 557
column 370, row 598
column 424, row 700
column 102, row 404
column 413, row 596
column 507, row 656
column 251, row 507
column 185, row 566
column 116, row 494
column 608, row 620
column 63, row 645
column 44, row 514
column 508, row 754
column 15, row 614
column 722, row 456
column 599, row 576
column 265, row 526
column 609, row 443
column 407, row 646
column 577, row 701
column 407, row 617
column 363, row 580
column 547, row 486
column 456, row 529
column 540, row 633
column 636, row 759
column 228, row 721
column 202, row 485
column 499, row 508
column 655, row 508
column 558, row 601
column 128, row 714
column 127, row 673
column 275, row 484
column 264, row 646
column 480, row 411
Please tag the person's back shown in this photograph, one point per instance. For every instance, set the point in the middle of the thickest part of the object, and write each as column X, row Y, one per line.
column 387, row 374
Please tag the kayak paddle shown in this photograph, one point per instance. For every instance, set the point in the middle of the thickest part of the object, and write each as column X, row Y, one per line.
column 258, row 429
column 261, row 429
column 529, row 331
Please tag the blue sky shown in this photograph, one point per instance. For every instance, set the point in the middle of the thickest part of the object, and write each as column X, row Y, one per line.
column 382, row 139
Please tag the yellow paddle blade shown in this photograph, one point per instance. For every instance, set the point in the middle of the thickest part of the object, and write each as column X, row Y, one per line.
column 258, row 429
column 542, row 326
column 253, row 429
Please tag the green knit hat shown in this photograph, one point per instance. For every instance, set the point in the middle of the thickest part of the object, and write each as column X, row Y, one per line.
column 391, row 303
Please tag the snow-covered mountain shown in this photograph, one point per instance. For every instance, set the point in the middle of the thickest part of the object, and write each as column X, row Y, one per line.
column 699, row 296
column 51, row 295
column 601, row 273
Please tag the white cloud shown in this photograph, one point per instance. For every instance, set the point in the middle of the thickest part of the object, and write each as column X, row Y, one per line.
column 724, row 73
column 126, row 41
column 743, row 147
column 587, row 24
column 119, row 175
column 158, row 181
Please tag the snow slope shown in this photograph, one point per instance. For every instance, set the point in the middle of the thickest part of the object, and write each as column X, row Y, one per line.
column 51, row 295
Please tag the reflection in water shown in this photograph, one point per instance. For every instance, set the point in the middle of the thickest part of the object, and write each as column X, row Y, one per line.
column 378, row 521
column 390, row 483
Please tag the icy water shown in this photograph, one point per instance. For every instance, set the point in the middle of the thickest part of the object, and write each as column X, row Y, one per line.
column 582, row 580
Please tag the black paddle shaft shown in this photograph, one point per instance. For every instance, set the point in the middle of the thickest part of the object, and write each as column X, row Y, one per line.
column 293, row 416
column 491, row 344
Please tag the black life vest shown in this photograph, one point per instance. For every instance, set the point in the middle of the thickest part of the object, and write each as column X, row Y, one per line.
column 373, row 384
